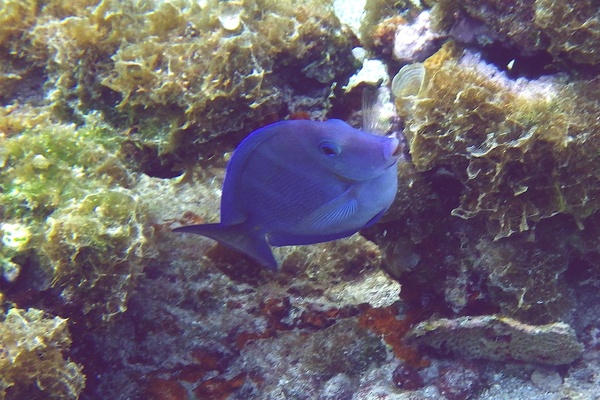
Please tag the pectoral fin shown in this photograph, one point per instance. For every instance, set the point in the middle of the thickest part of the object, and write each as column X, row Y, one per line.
column 334, row 213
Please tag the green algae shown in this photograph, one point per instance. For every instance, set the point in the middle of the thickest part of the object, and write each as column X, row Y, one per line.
column 52, row 166
column 95, row 248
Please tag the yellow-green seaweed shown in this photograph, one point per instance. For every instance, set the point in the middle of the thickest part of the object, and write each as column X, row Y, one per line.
column 524, row 150
column 172, row 70
column 33, row 363
column 87, row 228
column 567, row 29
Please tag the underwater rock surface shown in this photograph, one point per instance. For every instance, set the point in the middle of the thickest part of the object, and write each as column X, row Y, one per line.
column 501, row 339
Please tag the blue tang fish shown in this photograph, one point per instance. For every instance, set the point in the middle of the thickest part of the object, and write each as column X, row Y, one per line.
column 300, row 182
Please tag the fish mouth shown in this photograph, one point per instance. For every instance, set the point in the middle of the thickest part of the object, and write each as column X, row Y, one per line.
column 393, row 149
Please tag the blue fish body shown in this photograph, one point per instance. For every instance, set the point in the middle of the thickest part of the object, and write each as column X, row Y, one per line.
column 301, row 182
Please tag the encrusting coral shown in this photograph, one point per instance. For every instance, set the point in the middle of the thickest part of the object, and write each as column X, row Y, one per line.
column 32, row 363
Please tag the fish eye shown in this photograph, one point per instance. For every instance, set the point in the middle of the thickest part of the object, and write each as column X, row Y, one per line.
column 329, row 149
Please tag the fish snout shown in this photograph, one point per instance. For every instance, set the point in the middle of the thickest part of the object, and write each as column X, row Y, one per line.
column 392, row 150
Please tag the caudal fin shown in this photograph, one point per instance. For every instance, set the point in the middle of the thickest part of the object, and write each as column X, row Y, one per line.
column 238, row 238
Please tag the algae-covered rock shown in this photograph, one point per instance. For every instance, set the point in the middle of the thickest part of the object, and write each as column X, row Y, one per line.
column 179, row 72
column 95, row 248
column 327, row 261
column 14, row 240
column 56, row 163
column 299, row 364
column 71, row 217
column 566, row 29
column 501, row 198
column 33, row 363
column 16, row 16
column 524, row 150
column 381, row 18
column 526, row 280
column 501, row 339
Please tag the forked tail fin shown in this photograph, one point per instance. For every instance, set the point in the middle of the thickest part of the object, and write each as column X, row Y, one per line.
column 238, row 238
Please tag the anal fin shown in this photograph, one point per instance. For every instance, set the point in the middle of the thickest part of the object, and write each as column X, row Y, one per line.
column 238, row 238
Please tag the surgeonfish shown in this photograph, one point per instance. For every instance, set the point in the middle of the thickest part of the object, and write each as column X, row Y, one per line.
column 300, row 182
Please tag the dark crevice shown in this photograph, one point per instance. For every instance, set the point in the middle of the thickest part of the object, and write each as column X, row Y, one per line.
column 147, row 160
column 579, row 270
column 535, row 65
column 516, row 65
column 448, row 187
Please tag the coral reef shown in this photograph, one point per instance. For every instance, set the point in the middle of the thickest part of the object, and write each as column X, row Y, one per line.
column 457, row 267
column 566, row 29
column 515, row 161
column 197, row 328
column 33, row 364
column 497, row 338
